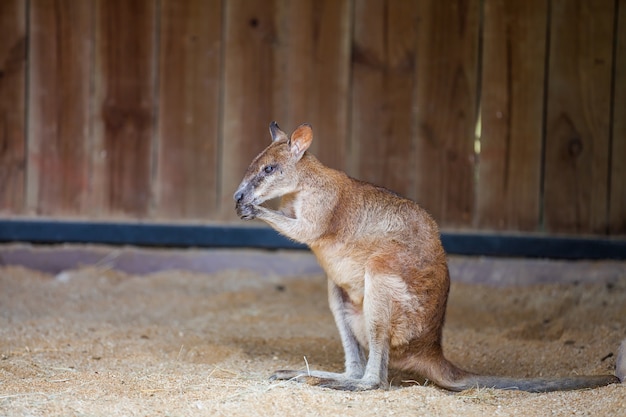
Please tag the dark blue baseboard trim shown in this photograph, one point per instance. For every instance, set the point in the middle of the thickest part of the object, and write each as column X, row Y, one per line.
column 212, row 236
column 143, row 234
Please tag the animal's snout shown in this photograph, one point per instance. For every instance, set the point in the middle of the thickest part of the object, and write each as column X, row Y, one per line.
column 244, row 209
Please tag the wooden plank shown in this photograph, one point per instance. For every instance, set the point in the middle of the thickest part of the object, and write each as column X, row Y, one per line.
column 447, row 60
column 578, row 116
column 61, row 44
column 617, row 208
column 189, row 95
column 124, row 103
column 383, row 75
column 251, row 90
column 315, row 67
column 12, row 110
column 513, row 65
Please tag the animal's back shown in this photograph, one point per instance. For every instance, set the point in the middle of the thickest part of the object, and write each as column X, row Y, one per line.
column 367, row 212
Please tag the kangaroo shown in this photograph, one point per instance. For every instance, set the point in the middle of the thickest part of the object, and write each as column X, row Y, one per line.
column 388, row 278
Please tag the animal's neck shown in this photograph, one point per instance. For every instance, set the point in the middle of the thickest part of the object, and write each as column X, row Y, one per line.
column 316, row 176
column 315, row 198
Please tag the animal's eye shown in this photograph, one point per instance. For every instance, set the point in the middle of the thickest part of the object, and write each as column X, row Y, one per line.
column 269, row 169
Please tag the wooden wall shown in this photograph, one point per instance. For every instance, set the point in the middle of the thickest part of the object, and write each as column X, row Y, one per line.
column 493, row 114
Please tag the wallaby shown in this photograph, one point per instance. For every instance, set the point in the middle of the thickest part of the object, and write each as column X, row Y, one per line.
column 388, row 279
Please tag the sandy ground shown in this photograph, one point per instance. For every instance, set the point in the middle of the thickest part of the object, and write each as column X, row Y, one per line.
column 93, row 340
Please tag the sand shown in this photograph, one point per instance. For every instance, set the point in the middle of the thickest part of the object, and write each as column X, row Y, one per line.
column 97, row 341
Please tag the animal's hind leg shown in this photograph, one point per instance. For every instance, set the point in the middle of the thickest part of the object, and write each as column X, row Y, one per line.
column 378, row 299
column 345, row 317
column 377, row 308
column 354, row 352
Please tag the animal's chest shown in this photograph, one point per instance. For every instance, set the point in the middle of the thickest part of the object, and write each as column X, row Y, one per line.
column 345, row 271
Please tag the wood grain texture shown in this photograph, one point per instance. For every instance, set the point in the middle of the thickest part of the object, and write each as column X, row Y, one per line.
column 152, row 109
column 508, row 191
column 383, row 92
column 189, row 98
column 59, row 118
column 578, row 116
column 12, row 106
column 124, row 107
column 446, row 71
column 617, row 207
column 252, row 92
column 314, row 64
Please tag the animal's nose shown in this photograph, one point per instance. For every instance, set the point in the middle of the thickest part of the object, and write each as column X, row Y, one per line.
column 238, row 196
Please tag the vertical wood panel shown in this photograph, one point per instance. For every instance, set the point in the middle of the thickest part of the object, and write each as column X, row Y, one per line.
column 390, row 86
column 250, row 90
column 189, row 108
column 617, row 209
column 383, row 59
column 577, row 136
column 12, row 105
column 125, row 79
column 513, row 66
column 59, row 106
column 315, row 66
column 446, row 108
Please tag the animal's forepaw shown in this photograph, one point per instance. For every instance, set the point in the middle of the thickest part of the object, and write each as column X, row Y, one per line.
column 247, row 211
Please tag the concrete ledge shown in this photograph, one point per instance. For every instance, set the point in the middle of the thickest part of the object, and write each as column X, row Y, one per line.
column 55, row 259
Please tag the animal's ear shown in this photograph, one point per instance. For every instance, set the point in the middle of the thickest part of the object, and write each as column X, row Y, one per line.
column 276, row 133
column 301, row 140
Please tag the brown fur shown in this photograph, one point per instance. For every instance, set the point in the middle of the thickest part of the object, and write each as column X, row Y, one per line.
column 387, row 270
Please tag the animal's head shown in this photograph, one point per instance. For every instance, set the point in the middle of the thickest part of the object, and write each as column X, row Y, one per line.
column 274, row 172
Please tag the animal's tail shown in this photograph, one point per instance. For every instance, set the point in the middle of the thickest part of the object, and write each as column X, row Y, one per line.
column 445, row 374
column 538, row 384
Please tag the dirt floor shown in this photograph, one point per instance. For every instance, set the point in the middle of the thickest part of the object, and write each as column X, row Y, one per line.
column 94, row 340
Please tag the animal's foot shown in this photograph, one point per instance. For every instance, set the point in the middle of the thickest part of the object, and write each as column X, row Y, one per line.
column 287, row 374
column 327, row 380
column 346, row 384
column 298, row 376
